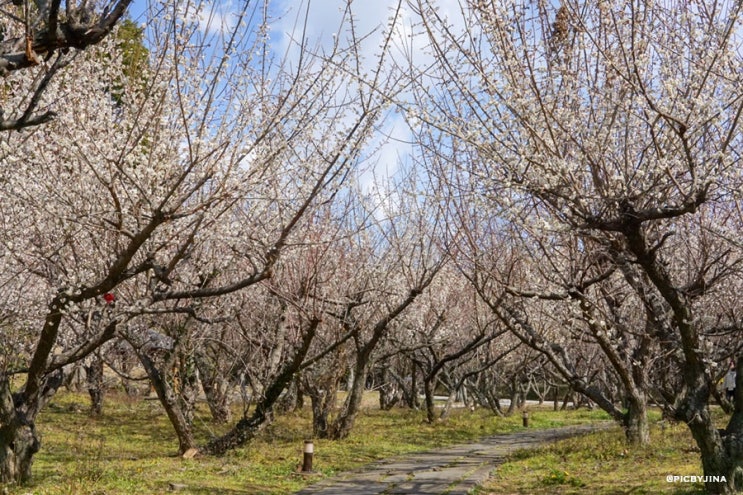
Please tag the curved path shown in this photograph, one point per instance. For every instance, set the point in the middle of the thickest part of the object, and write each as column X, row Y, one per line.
column 453, row 470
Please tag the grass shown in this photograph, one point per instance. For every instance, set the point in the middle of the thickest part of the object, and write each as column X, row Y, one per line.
column 131, row 448
column 602, row 464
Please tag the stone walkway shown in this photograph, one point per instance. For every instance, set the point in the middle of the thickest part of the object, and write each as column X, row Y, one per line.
column 454, row 470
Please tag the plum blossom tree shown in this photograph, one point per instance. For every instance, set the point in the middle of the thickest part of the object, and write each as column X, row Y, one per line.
column 395, row 256
column 285, row 327
column 186, row 188
column 618, row 122
column 442, row 332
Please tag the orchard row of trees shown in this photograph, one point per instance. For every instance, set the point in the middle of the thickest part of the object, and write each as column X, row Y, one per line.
column 188, row 204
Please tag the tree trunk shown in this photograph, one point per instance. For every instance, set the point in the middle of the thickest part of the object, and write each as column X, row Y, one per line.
column 716, row 462
column 290, row 401
column 495, row 406
column 321, row 401
column 246, row 429
column 341, row 427
column 217, row 396
column 323, row 396
column 73, row 379
column 18, row 438
column 428, row 388
column 413, row 402
column 18, row 444
column 94, row 377
column 319, row 415
column 129, row 386
column 466, row 400
column 389, row 393
column 721, row 451
column 188, row 385
column 567, row 399
column 636, row 426
column 514, row 396
column 446, row 410
column 171, row 403
column 542, row 393
column 405, row 384
column 524, row 391
column 389, row 396
column 350, row 379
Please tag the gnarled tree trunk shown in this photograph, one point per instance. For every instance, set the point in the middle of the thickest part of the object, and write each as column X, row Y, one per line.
column 341, row 427
column 18, row 445
column 19, row 440
column 322, row 400
column 178, row 417
column 248, row 427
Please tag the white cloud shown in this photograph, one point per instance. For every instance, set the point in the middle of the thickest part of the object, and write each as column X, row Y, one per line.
column 217, row 17
column 327, row 22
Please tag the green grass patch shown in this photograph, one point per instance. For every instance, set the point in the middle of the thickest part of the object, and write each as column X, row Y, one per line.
column 131, row 448
column 602, row 464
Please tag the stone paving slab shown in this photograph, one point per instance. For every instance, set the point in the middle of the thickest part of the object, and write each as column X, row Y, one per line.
column 454, row 470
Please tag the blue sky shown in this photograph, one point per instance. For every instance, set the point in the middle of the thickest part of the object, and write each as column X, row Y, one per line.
column 324, row 18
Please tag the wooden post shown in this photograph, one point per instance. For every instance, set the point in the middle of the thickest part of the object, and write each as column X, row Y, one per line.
column 525, row 419
column 309, row 450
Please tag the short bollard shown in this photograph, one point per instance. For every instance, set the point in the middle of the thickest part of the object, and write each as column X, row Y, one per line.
column 309, row 449
column 525, row 419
